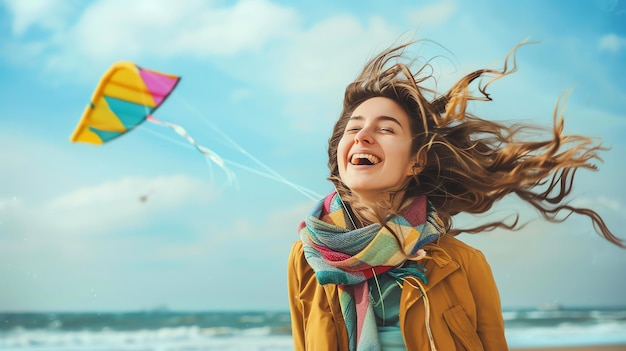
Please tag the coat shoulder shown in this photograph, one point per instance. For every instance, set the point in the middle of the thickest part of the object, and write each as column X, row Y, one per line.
column 458, row 250
column 297, row 248
column 453, row 243
column 296, row 256
column 298, row 265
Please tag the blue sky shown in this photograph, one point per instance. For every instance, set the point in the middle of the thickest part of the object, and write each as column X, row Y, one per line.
column 262, row 84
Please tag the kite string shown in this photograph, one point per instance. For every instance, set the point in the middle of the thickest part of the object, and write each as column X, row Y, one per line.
column 277, row 176
column 205, row 151
column 179, row 143
column 226, row 161
column 209, row 154
column 214, row 157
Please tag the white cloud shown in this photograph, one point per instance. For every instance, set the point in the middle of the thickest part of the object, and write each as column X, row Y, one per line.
column 109, row 29
column 435, row 14
column 612, row 42
column 320, row 61
column 332, row 52
column 126, row 203
column 77, row 236
column 46, row 14
column 113, row 29
column 268, row 240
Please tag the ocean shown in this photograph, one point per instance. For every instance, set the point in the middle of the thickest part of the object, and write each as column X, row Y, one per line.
column 163, row 330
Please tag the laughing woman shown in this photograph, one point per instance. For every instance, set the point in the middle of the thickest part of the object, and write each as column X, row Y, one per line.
column 378, row 266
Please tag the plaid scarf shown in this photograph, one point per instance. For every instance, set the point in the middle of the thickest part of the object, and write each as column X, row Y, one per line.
column 349, row 258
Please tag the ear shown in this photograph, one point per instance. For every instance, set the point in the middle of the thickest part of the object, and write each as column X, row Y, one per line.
column 417, row 165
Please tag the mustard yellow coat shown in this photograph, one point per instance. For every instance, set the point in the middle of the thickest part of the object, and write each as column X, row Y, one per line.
column 465, row 310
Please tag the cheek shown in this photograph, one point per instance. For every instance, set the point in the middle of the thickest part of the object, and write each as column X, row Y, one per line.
column 342, row 150
column 404, row 160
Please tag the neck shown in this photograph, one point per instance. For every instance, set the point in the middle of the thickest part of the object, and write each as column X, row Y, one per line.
column 375, row 208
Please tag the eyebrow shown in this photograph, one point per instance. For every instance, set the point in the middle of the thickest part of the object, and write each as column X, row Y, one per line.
column 379, row 118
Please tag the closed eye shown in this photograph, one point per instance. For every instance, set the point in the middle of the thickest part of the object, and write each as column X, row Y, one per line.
column 352, row 129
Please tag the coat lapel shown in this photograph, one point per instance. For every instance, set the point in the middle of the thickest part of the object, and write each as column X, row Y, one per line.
column 438, row 267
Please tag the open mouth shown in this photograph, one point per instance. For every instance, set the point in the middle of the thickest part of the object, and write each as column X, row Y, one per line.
column 364, row 159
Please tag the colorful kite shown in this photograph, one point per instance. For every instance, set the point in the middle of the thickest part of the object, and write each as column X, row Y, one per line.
column 127, row 96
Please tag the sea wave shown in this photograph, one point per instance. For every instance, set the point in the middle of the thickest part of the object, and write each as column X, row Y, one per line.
column 163, row 339
column 252, row 331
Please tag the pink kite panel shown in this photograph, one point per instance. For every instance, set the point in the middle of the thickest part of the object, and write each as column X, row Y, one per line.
column 158, row 84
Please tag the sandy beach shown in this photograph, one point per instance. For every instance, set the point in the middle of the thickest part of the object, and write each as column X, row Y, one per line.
column 577, row 348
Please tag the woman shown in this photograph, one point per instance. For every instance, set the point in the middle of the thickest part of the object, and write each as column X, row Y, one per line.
column 378, row 266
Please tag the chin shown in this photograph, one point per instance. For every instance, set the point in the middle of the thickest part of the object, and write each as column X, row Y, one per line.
column 365, row 191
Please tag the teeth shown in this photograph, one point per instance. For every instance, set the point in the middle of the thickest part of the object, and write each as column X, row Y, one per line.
column 361, row 159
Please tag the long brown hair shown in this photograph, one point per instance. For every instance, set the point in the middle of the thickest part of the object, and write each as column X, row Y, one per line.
column 470, row 162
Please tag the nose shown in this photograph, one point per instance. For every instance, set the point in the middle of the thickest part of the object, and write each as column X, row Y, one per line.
column 363, row 136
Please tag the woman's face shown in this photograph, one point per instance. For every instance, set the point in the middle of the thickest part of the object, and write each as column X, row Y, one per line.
column 374, row 153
